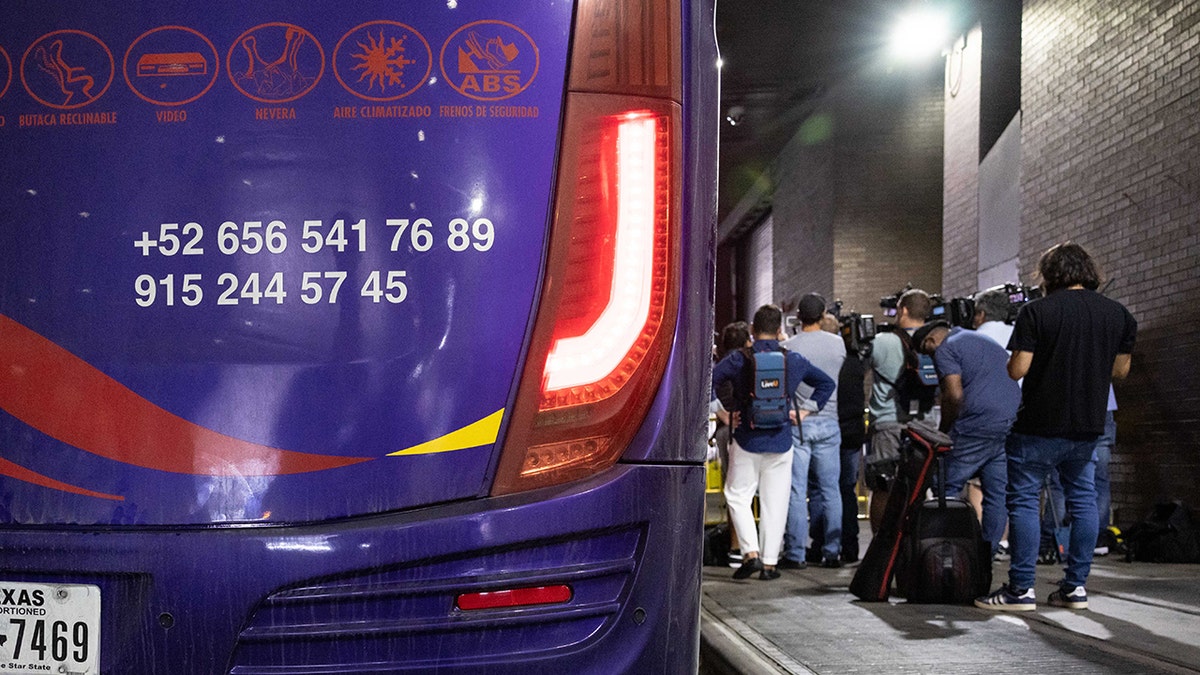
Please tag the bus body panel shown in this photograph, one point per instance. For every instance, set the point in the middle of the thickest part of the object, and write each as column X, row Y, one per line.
column 377, row 594
column 264, row 480
column 690, row 367
column 174, row 245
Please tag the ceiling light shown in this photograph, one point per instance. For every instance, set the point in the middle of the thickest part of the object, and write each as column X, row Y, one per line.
column 920, row 33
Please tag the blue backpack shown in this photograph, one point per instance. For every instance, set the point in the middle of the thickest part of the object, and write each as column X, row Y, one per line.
column 769, row 396
column 926, row 370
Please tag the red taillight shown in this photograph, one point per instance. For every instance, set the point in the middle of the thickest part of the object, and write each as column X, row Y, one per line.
column 515, row 597
column 607, row 313
column 623, row 270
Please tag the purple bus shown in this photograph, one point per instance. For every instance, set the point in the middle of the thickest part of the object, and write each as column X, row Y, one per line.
column 359, row 337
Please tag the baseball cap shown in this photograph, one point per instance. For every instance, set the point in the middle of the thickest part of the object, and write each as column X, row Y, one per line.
column 919, row 335
column 811, row 309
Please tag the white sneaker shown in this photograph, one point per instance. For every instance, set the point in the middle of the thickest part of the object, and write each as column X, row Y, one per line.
column 1076, row 598
column 1005, row 599
column 1002, row 551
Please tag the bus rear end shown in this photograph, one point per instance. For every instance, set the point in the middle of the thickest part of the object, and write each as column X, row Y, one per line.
column 361, row 337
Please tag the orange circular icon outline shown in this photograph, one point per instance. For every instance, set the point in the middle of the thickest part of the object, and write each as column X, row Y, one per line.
column 112, row 69
column 8, row 80
column 244, row 35
column 428, row 51
column 216, row 65
column 537, row 60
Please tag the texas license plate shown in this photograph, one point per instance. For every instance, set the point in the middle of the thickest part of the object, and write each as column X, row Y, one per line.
column 51, row 628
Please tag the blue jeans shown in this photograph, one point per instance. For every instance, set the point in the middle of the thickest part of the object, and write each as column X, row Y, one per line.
column 1030, row 460
column 984, row 457
column 817, row 445
column 848, row 482
column 847, row 486
column 1104, row 448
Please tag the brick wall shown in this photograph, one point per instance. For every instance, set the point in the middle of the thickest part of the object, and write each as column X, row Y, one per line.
column 1111, row 159
column 857, row 200
column 960, row 188
column 804, row 211
column 888, row 223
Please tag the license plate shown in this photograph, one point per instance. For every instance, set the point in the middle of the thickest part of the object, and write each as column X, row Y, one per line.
column 52, row 628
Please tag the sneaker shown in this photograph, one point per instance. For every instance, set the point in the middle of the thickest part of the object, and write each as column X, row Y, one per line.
column 789, row 564
column 748, row 568
column 831, row 562
column 1076, row 598
column 1100, row 551
column 1006, row 599
column 768, row 574
column 1001, row 551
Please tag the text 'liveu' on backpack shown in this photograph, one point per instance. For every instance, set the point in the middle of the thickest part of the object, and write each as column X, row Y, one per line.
column 769, row 396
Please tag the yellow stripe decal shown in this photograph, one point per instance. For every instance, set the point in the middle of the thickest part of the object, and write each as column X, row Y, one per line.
column 483, row 432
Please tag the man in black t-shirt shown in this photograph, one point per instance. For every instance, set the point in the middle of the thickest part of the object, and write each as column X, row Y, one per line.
column 1068, row 346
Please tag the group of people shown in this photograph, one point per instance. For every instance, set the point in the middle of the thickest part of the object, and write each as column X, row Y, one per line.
column 1024, row 404
column 761, row 459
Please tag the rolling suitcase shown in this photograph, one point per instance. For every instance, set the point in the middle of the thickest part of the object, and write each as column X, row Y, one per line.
column 920, row 443
column 944, row 557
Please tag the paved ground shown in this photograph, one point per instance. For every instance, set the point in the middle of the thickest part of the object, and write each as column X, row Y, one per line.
column 1143, row 618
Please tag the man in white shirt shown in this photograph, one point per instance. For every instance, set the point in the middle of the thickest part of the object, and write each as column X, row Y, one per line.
column 991, row 309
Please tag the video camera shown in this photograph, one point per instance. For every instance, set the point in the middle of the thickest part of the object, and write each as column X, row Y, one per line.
column 856, row 329
column 1018, row 295
column 961, row 311
column 891, row 303
column 791, row 322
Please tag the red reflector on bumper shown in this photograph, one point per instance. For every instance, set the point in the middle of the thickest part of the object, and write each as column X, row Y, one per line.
column 516, row 597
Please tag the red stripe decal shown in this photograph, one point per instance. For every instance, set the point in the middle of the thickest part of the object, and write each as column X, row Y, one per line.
column 64, row 397
column 19, row 472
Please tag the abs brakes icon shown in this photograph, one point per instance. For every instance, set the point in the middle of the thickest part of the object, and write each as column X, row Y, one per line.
column 496, row 53
column 489, row 60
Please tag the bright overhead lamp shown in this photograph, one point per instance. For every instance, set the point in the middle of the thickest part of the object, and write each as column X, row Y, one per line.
column 920, row 33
